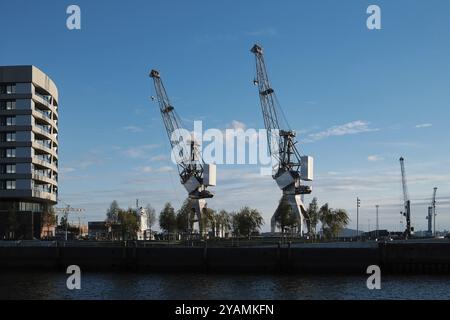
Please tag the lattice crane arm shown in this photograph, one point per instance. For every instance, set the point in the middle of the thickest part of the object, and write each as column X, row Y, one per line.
column 404, row 183
column 433, row 199
column 281, row 141
column 189, row 160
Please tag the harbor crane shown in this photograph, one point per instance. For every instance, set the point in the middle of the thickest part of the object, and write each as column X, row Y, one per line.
column 66, row 211
column 195, row 175
column 432, row 215
column 406, row 201
column 289, row 167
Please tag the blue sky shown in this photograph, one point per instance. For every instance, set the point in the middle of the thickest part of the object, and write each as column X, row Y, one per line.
column 359, row 99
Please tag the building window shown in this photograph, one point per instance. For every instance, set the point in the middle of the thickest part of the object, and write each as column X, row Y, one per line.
column 7, row 184
column 8, row 105
column 11, row 105
column 10, row 184
column 10, row 153
column 8, row 89
column 10, row 137
column 7, row 137
column 10, row 121
column 10, row 168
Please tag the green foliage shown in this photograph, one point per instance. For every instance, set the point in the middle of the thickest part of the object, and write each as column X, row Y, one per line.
column 208, row 220
column 246, row 222
column 333, row 221
column 284, row 215
column 223, row 223
column 185, row 217
column 167, row 219
column 112, row 214
column 151, row 215
column 129, row 223
column 313, row 215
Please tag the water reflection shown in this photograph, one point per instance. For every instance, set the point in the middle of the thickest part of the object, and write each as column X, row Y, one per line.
column 46, row 285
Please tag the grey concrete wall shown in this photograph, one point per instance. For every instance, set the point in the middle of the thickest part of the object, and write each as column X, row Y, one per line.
column 397, row 258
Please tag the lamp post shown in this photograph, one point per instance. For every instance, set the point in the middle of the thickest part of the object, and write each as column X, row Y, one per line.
column 358, row 204
column 377, row 225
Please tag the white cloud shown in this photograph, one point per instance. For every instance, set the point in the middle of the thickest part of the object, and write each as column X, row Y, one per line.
column 148, row 169
column 139, row 151
column 159, row 157
column 165, row 169
column 66, row 170
column 349, row 128
column 134, row 129
column 424, row 125
column 374, row 158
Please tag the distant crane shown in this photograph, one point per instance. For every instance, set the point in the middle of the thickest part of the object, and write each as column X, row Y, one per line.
column 432, row 215
column 66, row 211
column 290, row 168
column 195, row 175
column 407, row 202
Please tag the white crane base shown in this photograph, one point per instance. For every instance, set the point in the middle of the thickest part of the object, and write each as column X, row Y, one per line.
column 197, row 206
column 298, row 208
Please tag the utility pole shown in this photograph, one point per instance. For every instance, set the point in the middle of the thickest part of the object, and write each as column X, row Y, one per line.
column 434, row 211
column 377, row 225
column 358, row 204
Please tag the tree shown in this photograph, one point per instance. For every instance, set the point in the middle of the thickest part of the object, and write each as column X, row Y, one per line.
column 313, row 217
column 63, row 222
column 284, row 215
column 48, row 219
column 223, row 223
column 112, row 214
column 129, row 224
column 208, row 221
column 246, row 222
column 333, row 221
column 185, row 217
column 167, row 219
column 151, row 216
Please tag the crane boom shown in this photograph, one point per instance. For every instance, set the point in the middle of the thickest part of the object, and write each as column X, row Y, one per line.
column 281, row 141
column 404, row 184
column 195, row 175
column 189, row 161
column 407, row 202
column 290, row 167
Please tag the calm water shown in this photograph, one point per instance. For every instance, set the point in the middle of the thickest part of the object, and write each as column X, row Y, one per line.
column 200, row 286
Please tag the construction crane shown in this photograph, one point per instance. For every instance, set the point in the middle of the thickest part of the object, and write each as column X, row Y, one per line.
column 289, row 168
column 195, row 175
column 432, row 215
column 66, row 211
column 406, row 201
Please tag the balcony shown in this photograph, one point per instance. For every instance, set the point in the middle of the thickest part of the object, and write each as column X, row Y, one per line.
column 43, row 162
column 37, row 145
column 44, row 116
column 45, row 101
column 43, row 178
column 42, row 194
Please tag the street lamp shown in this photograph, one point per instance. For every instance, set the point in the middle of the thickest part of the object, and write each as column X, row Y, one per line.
column 358, row 205
column 377, row 225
